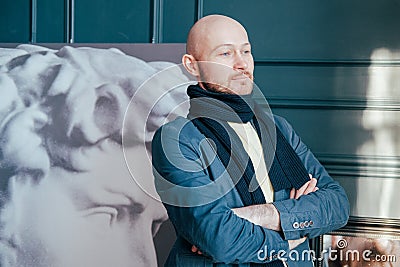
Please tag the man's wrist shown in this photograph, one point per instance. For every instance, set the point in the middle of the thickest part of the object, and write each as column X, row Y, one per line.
column 272, row 220
column 265, row 215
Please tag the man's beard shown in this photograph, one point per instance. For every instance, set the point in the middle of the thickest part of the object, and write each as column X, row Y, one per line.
column 218, row 88
column 227, row 87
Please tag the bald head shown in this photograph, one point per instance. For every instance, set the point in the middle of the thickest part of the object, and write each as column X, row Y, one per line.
column 205, row 29
column 219, row 55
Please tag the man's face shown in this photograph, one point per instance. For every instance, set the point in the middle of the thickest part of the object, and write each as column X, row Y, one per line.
column 226, row 61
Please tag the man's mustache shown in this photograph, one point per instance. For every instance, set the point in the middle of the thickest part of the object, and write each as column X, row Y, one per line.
column 241, row 74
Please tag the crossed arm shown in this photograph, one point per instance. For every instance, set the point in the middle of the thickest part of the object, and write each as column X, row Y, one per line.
column 267, row 216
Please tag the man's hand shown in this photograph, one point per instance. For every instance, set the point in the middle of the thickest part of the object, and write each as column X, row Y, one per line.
column 196, row 250
column 294, row 243
column 310, row 186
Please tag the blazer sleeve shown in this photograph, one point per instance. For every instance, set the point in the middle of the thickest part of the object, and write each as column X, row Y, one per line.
column 319, row 212
column 211, row 226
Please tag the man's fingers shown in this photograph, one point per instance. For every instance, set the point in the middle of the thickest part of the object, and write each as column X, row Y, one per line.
column 294, row 243
column 301, row 190
column 292, row 193
column 311, row 186
column 196, row 250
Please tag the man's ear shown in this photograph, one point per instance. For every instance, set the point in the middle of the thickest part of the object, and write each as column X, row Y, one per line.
column 190, row 64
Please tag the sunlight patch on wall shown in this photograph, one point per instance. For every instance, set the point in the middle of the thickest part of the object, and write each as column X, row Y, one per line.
column 382, row 119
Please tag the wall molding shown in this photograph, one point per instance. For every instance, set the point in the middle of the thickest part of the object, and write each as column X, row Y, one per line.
column 331, row 104
column 327, row 62
column 33, row 29
column 199, row 12
column 361, row 165
column 157, row 23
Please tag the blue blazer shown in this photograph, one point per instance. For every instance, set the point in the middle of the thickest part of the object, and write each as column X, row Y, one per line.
column 199, row 195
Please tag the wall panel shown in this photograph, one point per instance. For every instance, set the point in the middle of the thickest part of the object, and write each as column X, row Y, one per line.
column 51, row 21
column 178, row 16
column 346, row 131
column 379, row 196
column 15, row 17
column 357, row 82
column 105, row 21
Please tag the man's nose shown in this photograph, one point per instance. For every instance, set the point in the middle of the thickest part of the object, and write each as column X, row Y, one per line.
column 240, row 63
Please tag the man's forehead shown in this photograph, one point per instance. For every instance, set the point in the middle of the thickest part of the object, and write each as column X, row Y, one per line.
column 235, row 34
column 232, row 45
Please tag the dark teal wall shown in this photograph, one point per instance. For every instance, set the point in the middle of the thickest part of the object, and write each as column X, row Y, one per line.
column 15, row 21
column 316, row 62
column 51, row 19
column 104, row 21
column 284, row 29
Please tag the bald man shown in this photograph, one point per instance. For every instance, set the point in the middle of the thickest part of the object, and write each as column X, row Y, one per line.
column 239, row 185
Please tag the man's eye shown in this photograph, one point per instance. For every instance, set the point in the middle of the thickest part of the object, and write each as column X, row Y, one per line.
column 246, row 52
column 225, row 54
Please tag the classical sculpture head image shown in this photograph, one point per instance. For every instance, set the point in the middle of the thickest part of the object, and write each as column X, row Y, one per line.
column 67, row 194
